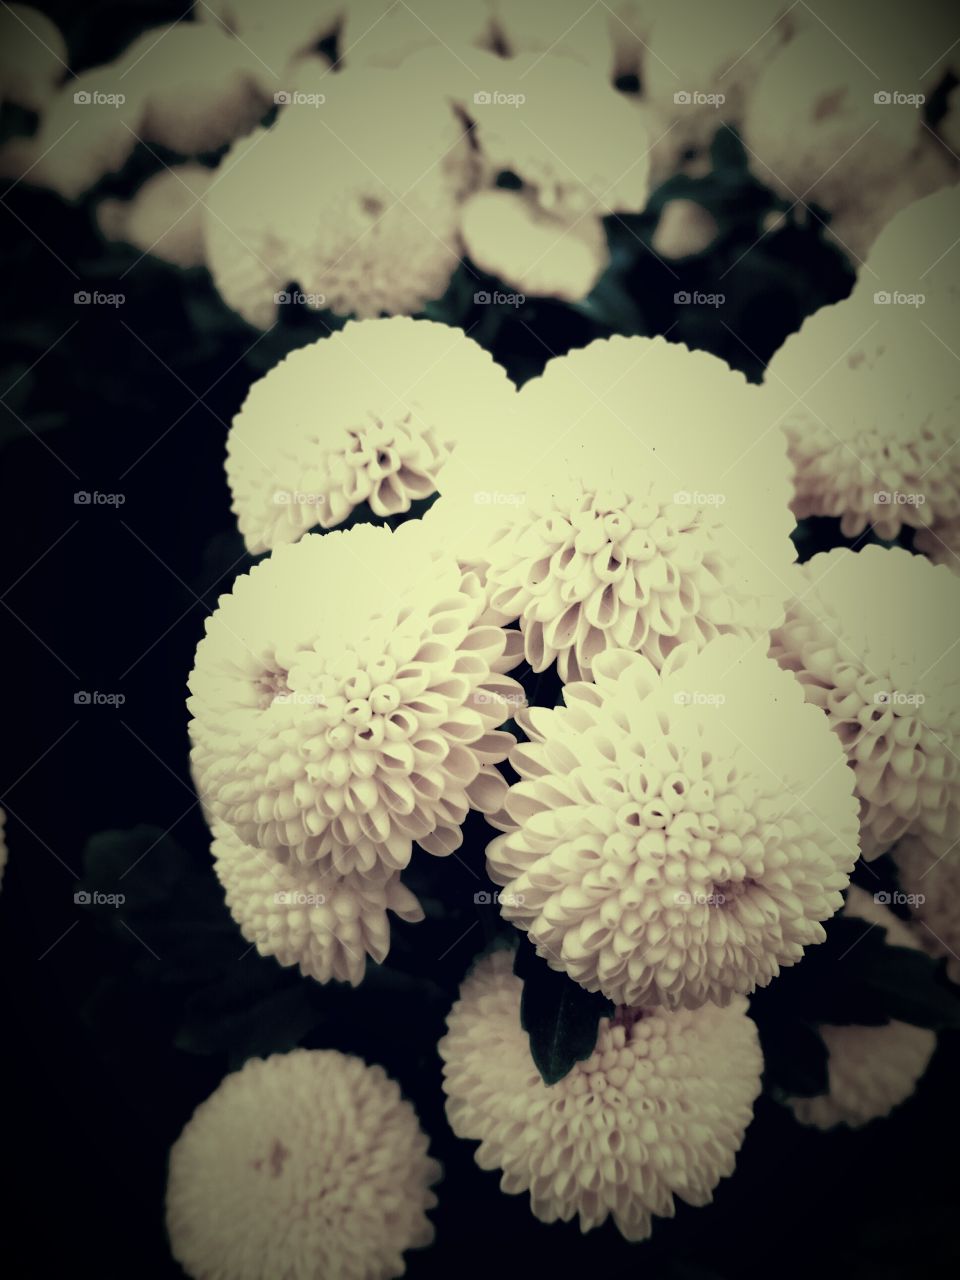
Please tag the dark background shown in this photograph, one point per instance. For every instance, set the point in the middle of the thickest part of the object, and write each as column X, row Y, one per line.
column 119, row 1022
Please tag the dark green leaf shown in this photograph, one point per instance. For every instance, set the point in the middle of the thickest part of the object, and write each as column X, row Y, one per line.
column 560, row 1018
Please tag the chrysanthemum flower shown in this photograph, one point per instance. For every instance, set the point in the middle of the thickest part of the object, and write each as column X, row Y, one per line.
column 369, row 225
column 871, row 1070
column 929, row 871
column 382, row 33
column 369, row 414
column 870, row 638
column 164, row 218
column 507, row 235
column 306, row 1164
column 695, row 82
column 644, row 506
column 578, row 145
column 658, row 1110
column 821, row 129
column 33, row 56
column 277, row 32
column 345, row 702
column 666, row 850
column 869, row 402
column 327, row 924
column 188, row 87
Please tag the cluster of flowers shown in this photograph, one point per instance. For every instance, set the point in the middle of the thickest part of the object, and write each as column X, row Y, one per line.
column 424, row 108
column 734, row 729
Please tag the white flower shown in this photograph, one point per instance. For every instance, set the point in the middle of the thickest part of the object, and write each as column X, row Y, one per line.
column 817, row 133
column 507, row 235
column 369, row 414
column 578, row 145
column 870, row 638
column 685, row 228
column 658, row 1110
column 648, row 493
column 276, row 32
column 345, row 702
column 326, row 923
column 354, row 198
column 698, row 65
column 869, row 401
column 871, row 1070
column 188, row 87
column 306, row 1164
column 667, row 851
column 33, row 57
column 382, row 33
column 165, row 216
column 929, row 870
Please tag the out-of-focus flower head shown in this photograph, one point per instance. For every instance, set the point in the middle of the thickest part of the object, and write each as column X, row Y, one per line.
column 644, row 506
column 306, row 1164
column 369, row 414
column 165, row 216
column 929, row 870
column 326, row 923
column 666, row 851
column 188, row 86
column 33, row 57
column 871, row 1070
column 368, row 225
column 345, row 702
column 886, row 682
column 588, row 1146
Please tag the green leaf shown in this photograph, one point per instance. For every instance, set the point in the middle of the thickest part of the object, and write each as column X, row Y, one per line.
column 559, row 1016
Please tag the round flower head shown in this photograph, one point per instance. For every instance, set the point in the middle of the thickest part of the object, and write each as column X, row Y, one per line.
column 165, row 216
column 869, row 404
column 306, row 1164
column 345, row 702
column 368, row 414
column 367, row 225
column 33, row 56
column 381, row 33
column 820, row 132
column 658, row 1110
column 929, row 871
column 649, row 506
column 694, row 82
column 579, row 146
column 188, row 87
column 870, row 638
column 326, row 923
column 871, row 1070
column 507, row 235
column 668, row 850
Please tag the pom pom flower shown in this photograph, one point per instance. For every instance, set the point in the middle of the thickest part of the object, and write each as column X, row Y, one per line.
column 306, row 1164
column 646, row 507
column 368, row 414
column 33, row 56
column 668, row 849
column 658, row 1110
column 888, row 686
column 326, row 924
column 369, row 225
column 345, row 702
column 871, row 1070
